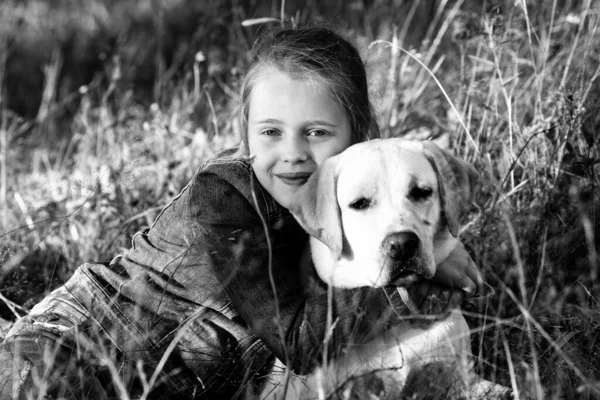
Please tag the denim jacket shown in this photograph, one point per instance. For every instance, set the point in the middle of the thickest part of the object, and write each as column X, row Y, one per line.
column 215, row 283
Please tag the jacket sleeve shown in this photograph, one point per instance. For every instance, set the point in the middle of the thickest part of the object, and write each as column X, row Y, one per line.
column 260, row 274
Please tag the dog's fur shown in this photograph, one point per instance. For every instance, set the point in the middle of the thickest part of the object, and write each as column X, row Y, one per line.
column 386, row 212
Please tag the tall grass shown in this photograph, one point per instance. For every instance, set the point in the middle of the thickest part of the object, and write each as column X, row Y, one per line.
column 510, row 86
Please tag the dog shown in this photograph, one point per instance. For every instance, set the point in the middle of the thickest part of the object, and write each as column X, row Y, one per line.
column 386, row 212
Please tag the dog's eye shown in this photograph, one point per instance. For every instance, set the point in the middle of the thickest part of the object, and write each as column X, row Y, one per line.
column 360, row 204
column 420, row 193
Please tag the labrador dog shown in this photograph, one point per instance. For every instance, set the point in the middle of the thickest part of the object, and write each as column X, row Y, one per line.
column 386, row 212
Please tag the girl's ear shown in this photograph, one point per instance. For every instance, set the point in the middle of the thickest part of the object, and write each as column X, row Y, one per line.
column 457, row 181
column 316, row 207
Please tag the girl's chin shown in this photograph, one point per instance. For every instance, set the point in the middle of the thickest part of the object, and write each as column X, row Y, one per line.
column 284, row 198
column 285, row 202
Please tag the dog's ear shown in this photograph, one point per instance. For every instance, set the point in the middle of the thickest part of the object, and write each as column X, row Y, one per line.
column 457, row 180
column 316, row 207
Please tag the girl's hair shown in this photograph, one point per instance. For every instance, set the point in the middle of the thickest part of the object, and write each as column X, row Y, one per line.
column 320, row 55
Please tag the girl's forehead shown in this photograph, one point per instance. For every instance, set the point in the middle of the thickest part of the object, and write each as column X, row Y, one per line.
column 310, row 80
column 279, row 88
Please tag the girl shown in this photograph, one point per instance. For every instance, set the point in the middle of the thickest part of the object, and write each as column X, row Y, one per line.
column 212, row 292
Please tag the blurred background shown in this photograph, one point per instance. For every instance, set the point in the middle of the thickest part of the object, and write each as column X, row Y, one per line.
column 108, row 107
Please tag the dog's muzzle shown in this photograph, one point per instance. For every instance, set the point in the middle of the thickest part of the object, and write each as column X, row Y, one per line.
column 402, row 252
column 401, row 246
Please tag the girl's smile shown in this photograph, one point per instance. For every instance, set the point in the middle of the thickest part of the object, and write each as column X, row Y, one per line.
column 293, row 126
column 294, row 178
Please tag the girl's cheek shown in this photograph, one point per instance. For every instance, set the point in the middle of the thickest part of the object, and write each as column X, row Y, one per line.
column 253, row 146
column 264, row 149
column 257, row 152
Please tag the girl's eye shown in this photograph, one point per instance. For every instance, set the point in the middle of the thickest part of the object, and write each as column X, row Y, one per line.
column 317, row 132
column 269, row 132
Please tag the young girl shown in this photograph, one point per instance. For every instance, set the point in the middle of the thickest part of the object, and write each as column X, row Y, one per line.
column 212, row 291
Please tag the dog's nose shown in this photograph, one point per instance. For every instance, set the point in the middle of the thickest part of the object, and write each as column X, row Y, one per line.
column 401, row 246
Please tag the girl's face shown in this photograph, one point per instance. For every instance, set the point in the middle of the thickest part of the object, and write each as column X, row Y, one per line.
column 293, row 126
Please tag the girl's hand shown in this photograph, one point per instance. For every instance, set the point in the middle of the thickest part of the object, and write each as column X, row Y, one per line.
column 433, row 299
column 459, row 272
column 457, row 278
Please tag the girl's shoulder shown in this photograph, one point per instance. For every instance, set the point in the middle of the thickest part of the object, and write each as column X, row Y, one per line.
column 234, row 157
column 231, row 169
column 231, row 165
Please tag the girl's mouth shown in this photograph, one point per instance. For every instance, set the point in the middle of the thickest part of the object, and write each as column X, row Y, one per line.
column 294, row 178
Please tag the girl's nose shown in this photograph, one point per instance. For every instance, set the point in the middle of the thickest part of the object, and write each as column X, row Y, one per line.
column 295, row 150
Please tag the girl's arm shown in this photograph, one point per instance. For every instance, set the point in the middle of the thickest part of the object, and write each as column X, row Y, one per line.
column 457, row 277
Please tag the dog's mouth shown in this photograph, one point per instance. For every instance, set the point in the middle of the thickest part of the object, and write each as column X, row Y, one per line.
column 404, row 277
column 403, row 273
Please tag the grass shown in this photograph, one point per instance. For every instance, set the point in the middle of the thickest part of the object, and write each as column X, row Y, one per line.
column 123, row 104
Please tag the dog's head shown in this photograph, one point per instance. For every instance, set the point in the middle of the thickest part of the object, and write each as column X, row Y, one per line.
column 386, row 211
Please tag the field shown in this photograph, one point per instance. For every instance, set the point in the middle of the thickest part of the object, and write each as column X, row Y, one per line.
column 107, row 109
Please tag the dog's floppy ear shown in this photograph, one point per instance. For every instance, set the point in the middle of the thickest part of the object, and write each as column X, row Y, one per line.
column 457, row 183
column 316, row 208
